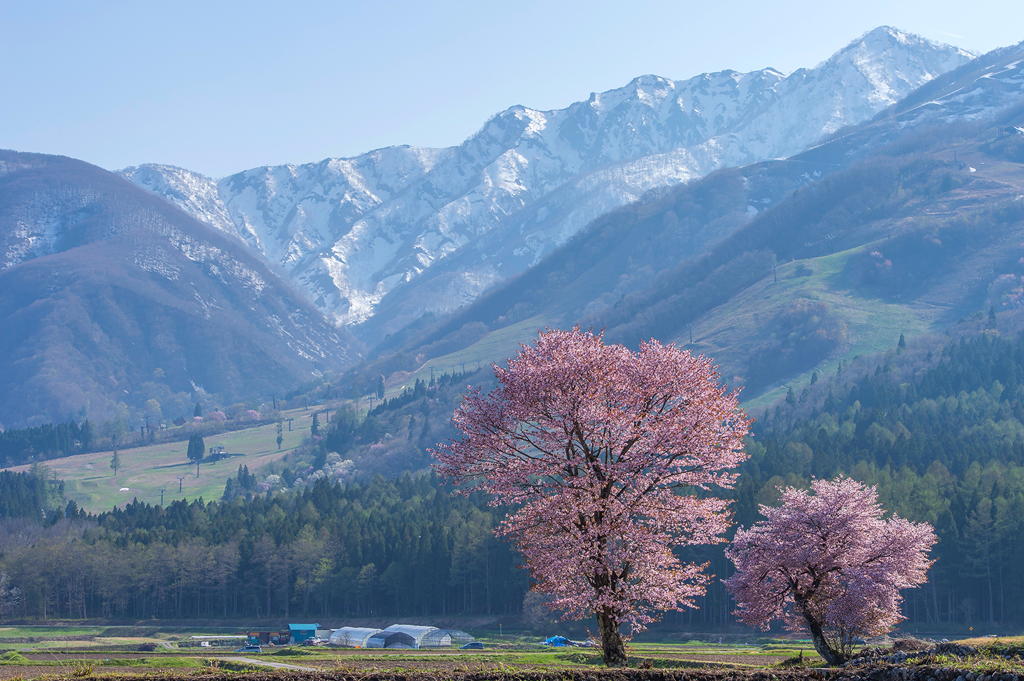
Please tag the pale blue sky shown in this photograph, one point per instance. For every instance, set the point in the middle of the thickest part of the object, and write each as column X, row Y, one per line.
column 219, row 87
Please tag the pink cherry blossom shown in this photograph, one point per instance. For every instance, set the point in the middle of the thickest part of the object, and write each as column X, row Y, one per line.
column 609, row 456
column 828, row 563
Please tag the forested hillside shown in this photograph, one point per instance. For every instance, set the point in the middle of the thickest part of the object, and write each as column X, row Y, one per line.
column 935, row 423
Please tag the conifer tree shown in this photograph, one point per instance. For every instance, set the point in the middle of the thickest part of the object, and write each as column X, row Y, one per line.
column 196, row 447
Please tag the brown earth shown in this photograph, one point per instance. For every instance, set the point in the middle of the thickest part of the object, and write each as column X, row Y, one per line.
column 56, row 671
column 887, row 673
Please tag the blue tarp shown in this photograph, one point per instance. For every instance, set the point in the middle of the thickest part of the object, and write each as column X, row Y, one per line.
column 557, row 642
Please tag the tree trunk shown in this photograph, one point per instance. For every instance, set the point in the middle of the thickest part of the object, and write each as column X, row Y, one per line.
column 832, row 657
column 611, row 640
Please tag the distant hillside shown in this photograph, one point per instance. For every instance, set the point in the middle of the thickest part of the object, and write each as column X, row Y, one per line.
column 114, row 302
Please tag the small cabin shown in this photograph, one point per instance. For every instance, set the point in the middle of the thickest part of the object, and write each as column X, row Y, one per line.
column 302, row 632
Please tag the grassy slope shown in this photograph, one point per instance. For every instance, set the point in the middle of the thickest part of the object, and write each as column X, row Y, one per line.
column 92, row 484
column 494, row 348
column 873, row 325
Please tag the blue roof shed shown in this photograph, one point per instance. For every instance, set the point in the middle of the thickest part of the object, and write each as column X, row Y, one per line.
column 302, row 632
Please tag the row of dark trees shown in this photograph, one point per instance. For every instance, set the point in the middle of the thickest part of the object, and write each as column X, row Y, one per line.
column 386, row 548
column 20, row 445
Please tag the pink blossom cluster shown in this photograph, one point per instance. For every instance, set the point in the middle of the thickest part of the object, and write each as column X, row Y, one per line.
column 602, row 449
column 828, row 562
column 1008, row 291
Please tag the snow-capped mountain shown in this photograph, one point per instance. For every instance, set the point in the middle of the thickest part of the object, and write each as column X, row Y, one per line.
column 350, row 230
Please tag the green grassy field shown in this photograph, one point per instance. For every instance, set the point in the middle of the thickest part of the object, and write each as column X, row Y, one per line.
column 109, row 653
column 494, row 348
column 873, row 325
column 91, row 482
column 499, row 654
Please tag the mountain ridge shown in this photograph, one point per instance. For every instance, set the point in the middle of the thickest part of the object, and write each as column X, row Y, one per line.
column 349, row 231
column 112, row 297
column 898, row 225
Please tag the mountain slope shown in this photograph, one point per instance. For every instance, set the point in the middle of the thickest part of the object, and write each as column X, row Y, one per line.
column 111, row 297
column 350, row 231
column 898, row 225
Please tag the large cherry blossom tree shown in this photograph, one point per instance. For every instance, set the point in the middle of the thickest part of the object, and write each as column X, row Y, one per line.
column 827, row 562
column 610, row 457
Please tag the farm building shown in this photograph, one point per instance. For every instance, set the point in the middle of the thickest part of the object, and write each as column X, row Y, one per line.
column 263, row 638
column 415, row 636
column 302, row 632
column 352, row 637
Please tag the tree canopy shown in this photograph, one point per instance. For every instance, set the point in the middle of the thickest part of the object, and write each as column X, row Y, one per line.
column 827, row 562
column 600, row 448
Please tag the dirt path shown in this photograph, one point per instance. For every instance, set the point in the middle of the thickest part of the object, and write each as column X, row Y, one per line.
column 266, row 663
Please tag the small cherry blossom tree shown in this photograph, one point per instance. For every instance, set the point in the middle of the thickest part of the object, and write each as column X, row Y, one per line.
column 601, row 449
column 827, row 562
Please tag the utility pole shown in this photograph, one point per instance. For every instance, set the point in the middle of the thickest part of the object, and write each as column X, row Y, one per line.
column 305, row 407
column 197, row 469
column 180, row 478
column 289, row 425
column 162, row 490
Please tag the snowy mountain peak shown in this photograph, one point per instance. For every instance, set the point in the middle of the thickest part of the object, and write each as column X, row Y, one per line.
column 349, row 231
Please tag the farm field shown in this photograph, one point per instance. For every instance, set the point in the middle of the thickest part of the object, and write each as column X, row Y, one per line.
column 91, row 482
column 109, row 656
column 114, row 653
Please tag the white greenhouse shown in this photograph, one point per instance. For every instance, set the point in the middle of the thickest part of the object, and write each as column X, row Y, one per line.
column 416, row 636
column 352, row 637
